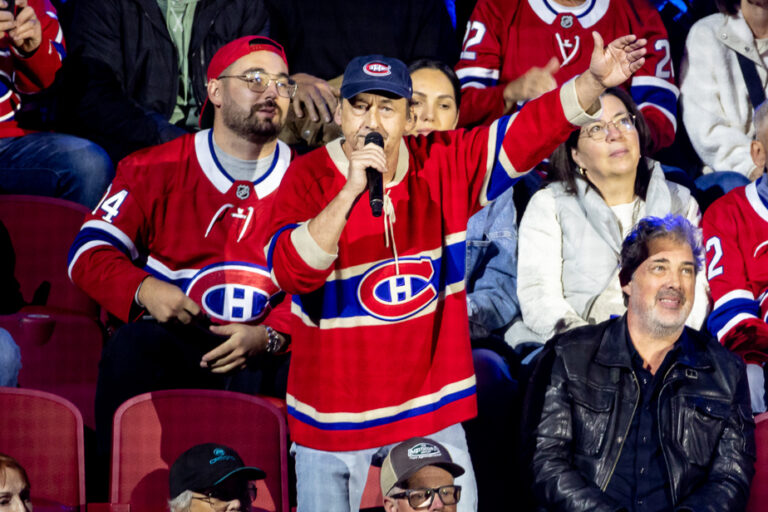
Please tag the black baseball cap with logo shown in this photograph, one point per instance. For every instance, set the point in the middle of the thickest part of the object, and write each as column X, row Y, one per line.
column 206, row 466
column 405, row 459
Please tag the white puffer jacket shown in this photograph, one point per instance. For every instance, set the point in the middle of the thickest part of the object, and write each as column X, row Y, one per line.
column 568, row 257
column 717, row 112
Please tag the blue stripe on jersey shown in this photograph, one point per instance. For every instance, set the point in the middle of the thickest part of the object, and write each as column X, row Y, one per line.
column 91, row 234
column 342, row 300
column 660, row 96
column 500, row 181
column 60, row 49
column 723, row 314
column 273, row 243
column 488, row 82
column 417, row 411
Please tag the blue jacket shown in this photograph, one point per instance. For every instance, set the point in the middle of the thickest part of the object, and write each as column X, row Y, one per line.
column 491, row 271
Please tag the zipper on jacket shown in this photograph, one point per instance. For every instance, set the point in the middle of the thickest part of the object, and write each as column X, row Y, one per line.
column 663, row 451
column 626, row 432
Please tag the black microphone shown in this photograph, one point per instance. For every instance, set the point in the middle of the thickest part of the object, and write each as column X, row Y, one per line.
column 375, row 188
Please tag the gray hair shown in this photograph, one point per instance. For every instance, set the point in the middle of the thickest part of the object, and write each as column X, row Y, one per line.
column 181, row 503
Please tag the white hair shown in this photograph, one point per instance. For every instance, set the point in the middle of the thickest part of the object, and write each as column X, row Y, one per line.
column 181, row 503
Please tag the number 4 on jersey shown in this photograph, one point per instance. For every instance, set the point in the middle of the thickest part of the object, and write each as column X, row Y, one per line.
column 111, row 204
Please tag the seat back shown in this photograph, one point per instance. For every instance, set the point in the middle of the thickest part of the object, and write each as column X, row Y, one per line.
column 153, row 429
column 758, row 497
column 41, row 230
column 44, row 432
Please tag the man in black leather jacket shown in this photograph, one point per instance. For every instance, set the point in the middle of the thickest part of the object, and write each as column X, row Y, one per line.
column 643, row 413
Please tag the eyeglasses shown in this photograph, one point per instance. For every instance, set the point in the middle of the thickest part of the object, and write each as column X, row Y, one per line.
column 218, row 499
column 258, row 81
column 599, row 131
column 423, row 498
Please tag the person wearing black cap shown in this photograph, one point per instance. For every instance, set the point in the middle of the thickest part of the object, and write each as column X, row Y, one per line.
column 381, row 348
column 418, row 475
column 174, row 249
column 212, row 477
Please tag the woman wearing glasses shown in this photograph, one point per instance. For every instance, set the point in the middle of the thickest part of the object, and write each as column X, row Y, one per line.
column 570, row 237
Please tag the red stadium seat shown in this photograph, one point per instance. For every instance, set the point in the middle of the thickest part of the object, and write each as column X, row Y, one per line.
column 153, row 429
column 42, row 230
column 44, row 433
column 61, row 340
column 758, row 498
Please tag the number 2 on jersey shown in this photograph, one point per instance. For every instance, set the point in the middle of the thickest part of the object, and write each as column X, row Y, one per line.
column 714, row 270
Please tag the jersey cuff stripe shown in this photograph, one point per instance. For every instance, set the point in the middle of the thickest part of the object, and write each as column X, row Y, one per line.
column 308, row 249
column 571, row 107
column 358, row 421
column 652, row 81
column 733, row 322
column 479, row 73
column 733, row 294
column 661, row 109
column 83, row 248
column 115, row 232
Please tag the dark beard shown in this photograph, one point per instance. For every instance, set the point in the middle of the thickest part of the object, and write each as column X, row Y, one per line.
column 251, row 128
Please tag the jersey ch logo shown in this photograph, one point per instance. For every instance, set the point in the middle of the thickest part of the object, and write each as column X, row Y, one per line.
column 387, row 295
column 233, row 292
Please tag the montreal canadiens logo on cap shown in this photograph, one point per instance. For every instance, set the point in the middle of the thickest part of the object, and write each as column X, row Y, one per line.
column 377, row 68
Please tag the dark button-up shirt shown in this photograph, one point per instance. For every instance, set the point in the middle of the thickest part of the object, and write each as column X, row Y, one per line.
column 640, row 481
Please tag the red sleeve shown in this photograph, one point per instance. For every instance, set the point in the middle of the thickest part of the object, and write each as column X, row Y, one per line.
column 735, row 318
column 297, row 264
column 653, row 87
column 37, row 71
column 479, row 66
column 113, row 237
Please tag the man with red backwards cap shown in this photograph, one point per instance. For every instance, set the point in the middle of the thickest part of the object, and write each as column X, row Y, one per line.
column 176, row 243
column 381, row 347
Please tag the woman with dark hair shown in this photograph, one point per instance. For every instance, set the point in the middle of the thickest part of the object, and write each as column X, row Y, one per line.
column 570, row 236
column 14, row 486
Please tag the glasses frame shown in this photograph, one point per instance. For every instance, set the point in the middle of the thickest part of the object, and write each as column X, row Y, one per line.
column 251, row 82
column 408, row 493
column 604, row 132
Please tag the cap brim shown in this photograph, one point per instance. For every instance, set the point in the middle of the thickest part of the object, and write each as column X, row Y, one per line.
column 453, row 468
column 248, row 472
column 349, row 91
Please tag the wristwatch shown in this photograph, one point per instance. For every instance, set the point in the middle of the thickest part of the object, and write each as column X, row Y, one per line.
column 273, row 340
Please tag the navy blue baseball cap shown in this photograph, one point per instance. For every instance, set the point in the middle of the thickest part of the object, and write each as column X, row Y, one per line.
column 376, row 73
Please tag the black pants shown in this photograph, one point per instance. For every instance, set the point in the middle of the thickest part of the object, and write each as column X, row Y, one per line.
column 146, row 356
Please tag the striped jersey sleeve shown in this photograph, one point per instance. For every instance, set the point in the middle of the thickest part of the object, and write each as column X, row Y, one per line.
column 736, row 319
column 104, row 256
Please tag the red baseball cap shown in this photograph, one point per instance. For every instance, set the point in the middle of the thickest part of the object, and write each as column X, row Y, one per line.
column 227, row 55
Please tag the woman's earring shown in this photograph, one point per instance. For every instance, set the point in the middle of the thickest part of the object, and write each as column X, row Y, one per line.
column 581, row 170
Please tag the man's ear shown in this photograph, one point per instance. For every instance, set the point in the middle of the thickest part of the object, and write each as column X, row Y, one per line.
column 625, row 288
column 214, row 92
column 390, row 505
column 410, row 119
column 757, row 152
column 337, row 112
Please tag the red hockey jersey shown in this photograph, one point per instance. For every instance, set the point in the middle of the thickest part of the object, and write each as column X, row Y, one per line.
column 174, row 213
column 380, row 334
column 736, row 237
column 28, row 74
column 505, row 38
